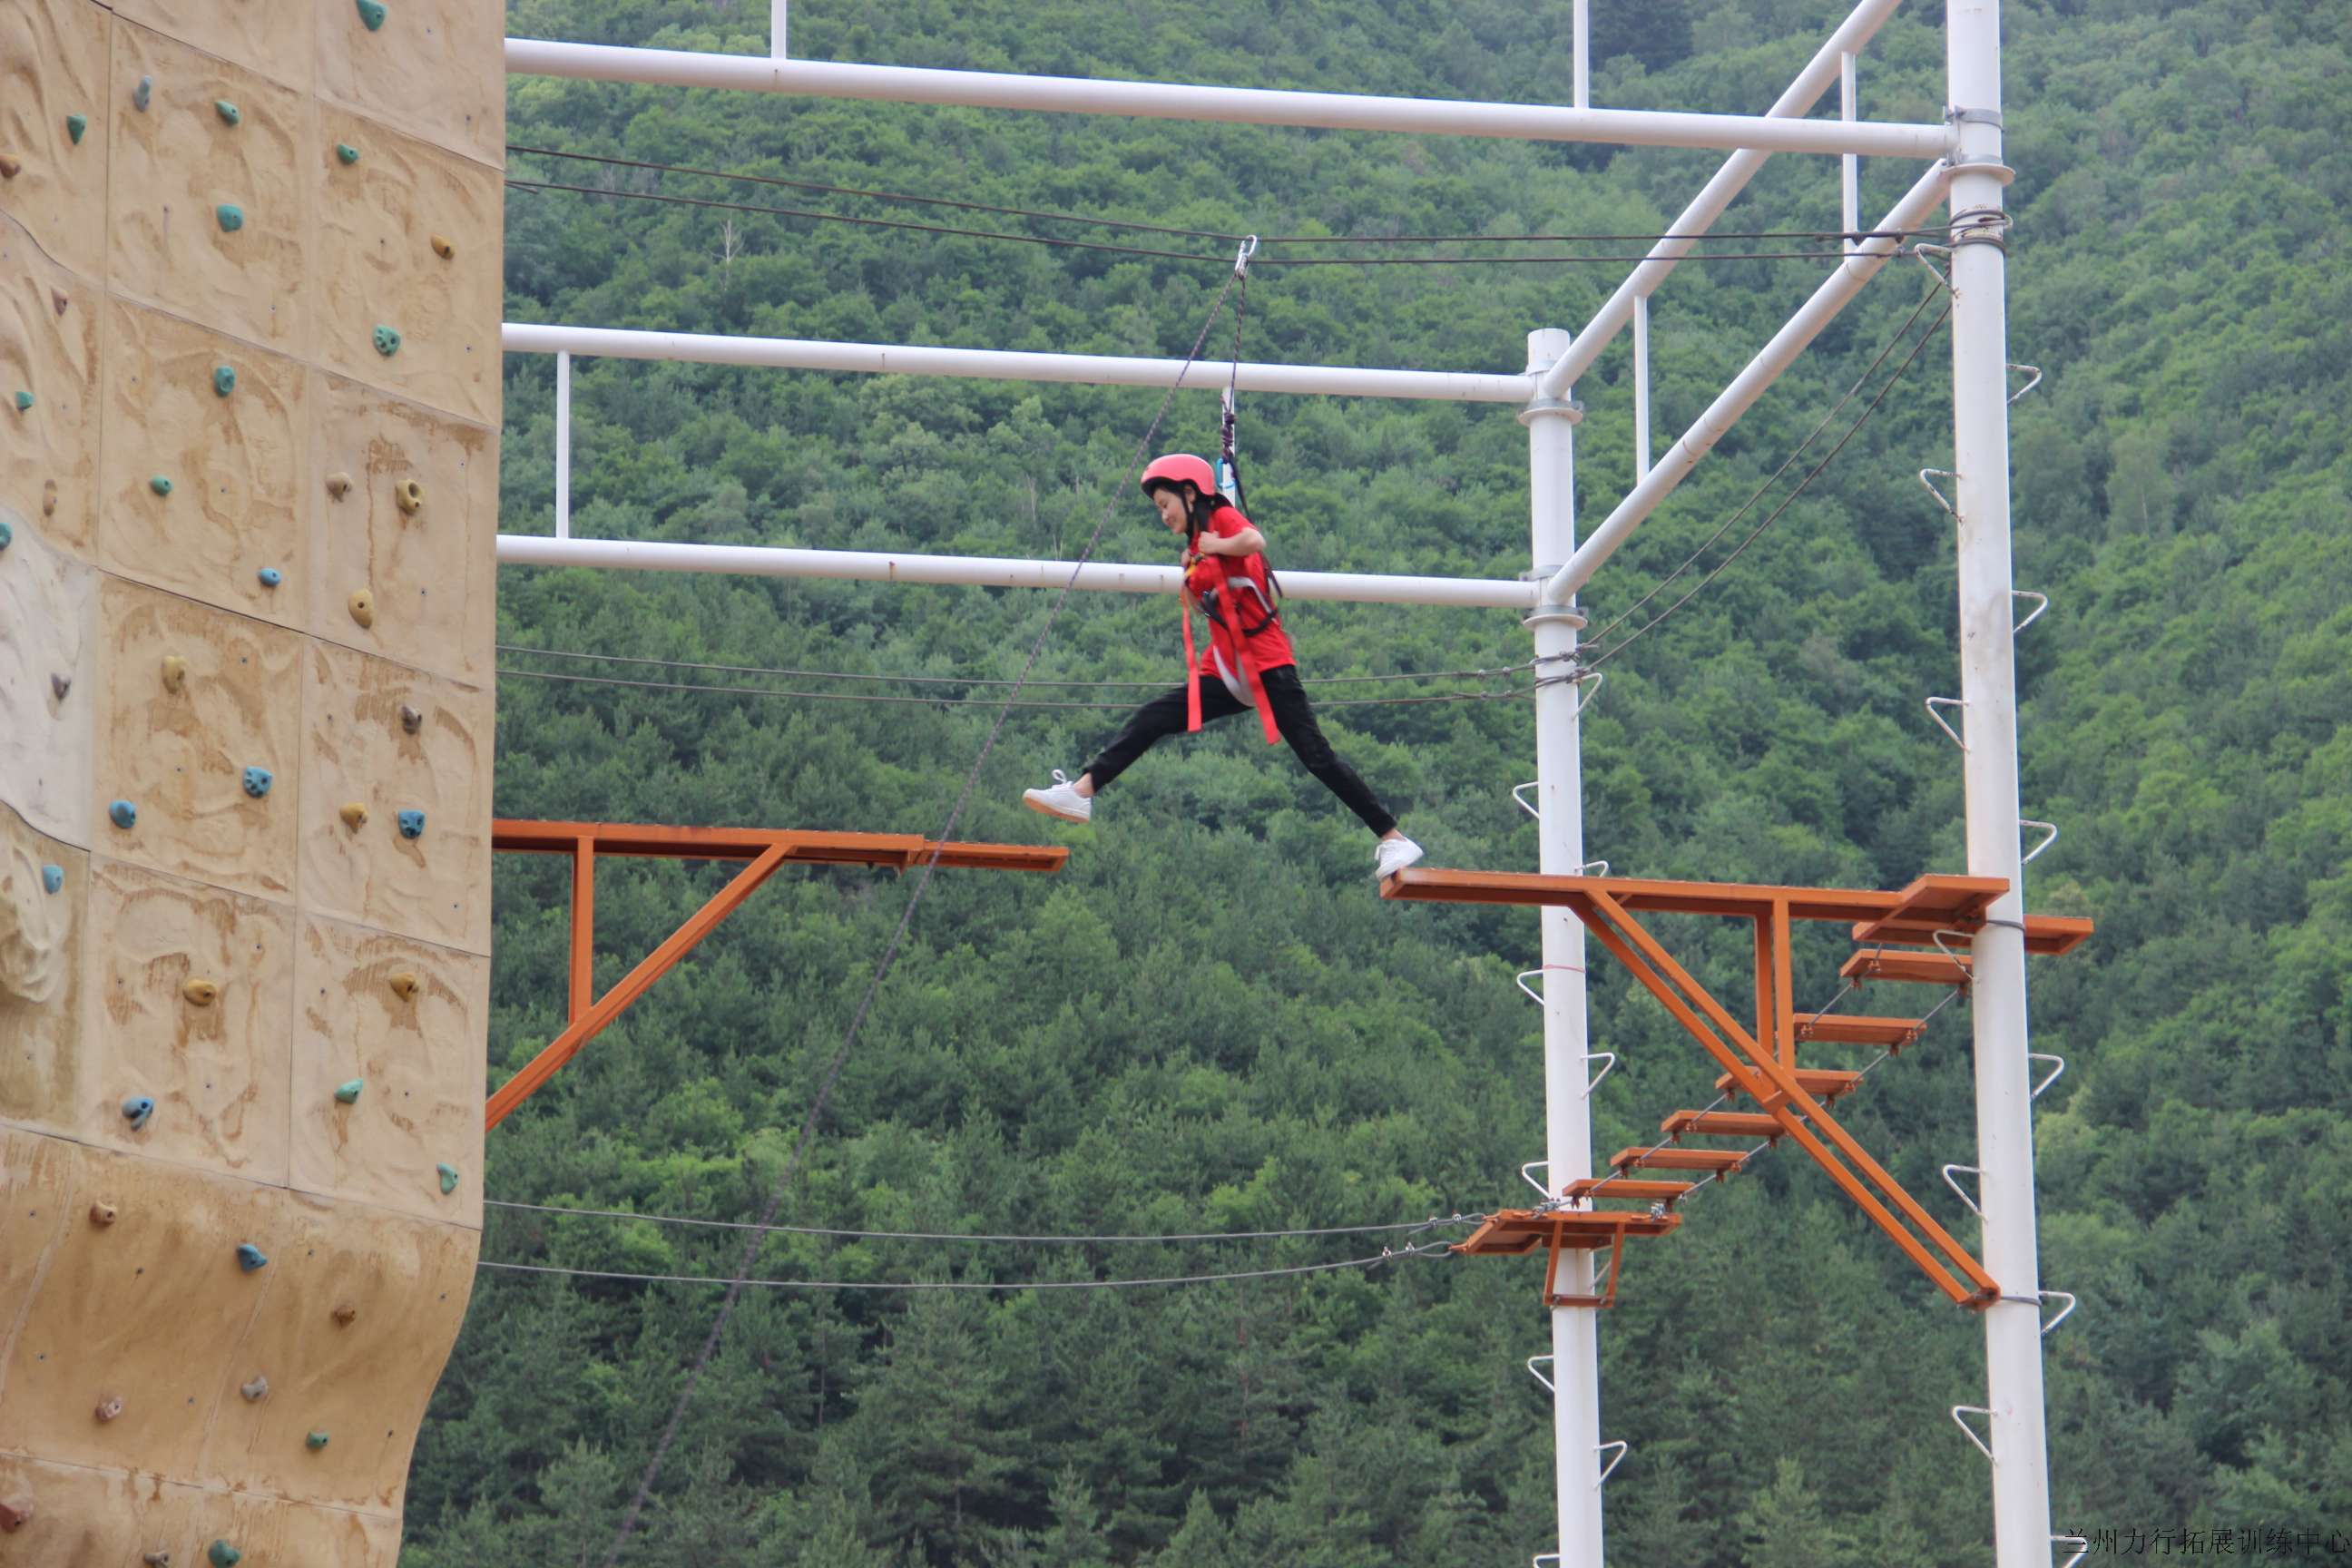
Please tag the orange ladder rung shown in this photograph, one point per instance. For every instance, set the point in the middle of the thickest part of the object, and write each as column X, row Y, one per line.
column 1916, row 968
column 1858, row 1029
column 1625, row 1187
column 1671, row 1157
column 1722, row 1124
column 1821, row 1083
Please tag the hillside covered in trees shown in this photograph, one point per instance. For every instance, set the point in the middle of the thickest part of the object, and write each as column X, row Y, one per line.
column 1209, row 1022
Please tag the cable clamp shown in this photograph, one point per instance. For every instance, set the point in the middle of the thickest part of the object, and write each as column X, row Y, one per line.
column 1243, row 258
column 1973, row 117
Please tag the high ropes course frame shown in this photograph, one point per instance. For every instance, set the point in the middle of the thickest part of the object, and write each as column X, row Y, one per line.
column 1964, row 933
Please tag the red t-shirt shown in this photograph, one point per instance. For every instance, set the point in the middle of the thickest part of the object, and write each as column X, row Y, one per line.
column 1246, row 597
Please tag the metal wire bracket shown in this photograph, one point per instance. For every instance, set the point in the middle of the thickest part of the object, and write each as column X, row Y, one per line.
column 2055, row 1072
column 1534, row 995
column 2049, row 829
column 1539, row 1186
column 2080, row 1544
column 2063, row 1312
column 1535, row 1361
column 1609, row 1468
column 1587, row 869
column 2041, row 603
column 1596, row 677
column 1935, row 702
column 1930, row 484
column 1962, row 1410
column 1530, row 810
column 2029, row 385
column 1963, row 1192
column 1608, row 1060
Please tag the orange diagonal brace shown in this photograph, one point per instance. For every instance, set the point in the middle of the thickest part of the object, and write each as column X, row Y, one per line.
column 587, row 1025
column 1798, row 1112
column 584, row 927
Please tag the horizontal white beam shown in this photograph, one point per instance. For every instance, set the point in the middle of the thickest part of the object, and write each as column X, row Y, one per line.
column 997, row 364
column 1746, row 387
column 1859, row 28
column 1254, row 106
column 990, row 572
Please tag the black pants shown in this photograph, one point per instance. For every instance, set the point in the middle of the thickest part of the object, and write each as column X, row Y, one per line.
column 1165, row 715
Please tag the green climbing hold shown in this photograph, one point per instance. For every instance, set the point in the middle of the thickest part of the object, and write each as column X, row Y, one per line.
column 347, row 153
column 160, row 484
column 221, row 1555
column 231, row 215
column 224, row 380
column 226, row 111
column 371, row 13
column 448, row 1177
column 348, row 1093
column 8, row 536
column 75, row 124
column 24, row 401
column 387, row 340
column 316, row 1441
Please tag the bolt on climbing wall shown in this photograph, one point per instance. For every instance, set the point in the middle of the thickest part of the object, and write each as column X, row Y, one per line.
column 249, row 383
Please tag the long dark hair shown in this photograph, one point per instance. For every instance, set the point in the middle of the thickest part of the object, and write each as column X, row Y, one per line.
column 1197, row 513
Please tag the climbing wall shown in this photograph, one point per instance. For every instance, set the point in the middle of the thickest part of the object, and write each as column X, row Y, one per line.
column 249, row 381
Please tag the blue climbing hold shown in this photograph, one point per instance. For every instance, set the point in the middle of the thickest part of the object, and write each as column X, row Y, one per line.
column 448, row 1177
column 137, row 1109
column 250, row 1258
column 75, row 124
column 160, row 484
column 221, row 1555
column 226, row 111
column 348, row 1093
column 231, row 215
column 258, row 782
column 347, row 153
column 271, row 576
column 24, row 401
column 224, row 380
column 387, row 341
column 122, row 813
column 371, row 13
column 53, row 878
column 8, row 536
column 411, row 825
column 141, row 93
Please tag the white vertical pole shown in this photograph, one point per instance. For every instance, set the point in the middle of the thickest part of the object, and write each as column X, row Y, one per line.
column 563, row 446
column 2021, row 1474
column 1850, row 170
column 1641, row 387
column 1580, row 35
column 776, row 28
column 1567, row 1122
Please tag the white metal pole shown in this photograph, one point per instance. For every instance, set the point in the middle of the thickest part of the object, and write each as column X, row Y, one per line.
column 1580, row 41
column 1560, row 826
column 1857, row 29
column 776, row 28
column 1003, row 365
column 563, row 446
column 1641, row 387
column 1845, row 281
column 2020, row 1473
column 1232, row 105
column 1850, row 171
column 990, row 570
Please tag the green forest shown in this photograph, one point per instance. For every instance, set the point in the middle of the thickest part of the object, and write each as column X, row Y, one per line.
column 1209, row 1022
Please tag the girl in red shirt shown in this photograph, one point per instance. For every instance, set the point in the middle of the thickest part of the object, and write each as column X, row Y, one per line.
column 1247, row 665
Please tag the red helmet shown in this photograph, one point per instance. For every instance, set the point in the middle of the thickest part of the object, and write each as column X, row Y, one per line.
column 1177, row 468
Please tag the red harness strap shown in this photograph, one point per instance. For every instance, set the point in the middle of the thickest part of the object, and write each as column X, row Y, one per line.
column 1258, row 698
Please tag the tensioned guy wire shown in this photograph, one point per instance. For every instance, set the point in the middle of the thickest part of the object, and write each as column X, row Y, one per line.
column 965, row 703
column 1386, row 1255
column 911, row 679
column 1407, row 1225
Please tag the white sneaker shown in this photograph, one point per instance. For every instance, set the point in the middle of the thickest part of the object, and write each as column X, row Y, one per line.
column 1063, row 800
column 1393, row 856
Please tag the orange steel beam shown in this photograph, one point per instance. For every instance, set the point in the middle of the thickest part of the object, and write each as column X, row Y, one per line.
column 1773, row 1086
column 764, row 849
column 1746, row 900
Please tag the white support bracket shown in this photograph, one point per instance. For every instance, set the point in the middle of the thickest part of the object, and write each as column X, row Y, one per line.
column 2041, row 603
column 1927, row 478
column 1535, row 1361
column 2029, row 385
column 1522, row 799
column 1538, row 1165
column 2065, row 1312
column 1935, row 702
column 1962, row 1410
column 1962, row 1191
column 2056, row 1072
column 1609, row 1468
column 2080, row 1544
column 2049, row 832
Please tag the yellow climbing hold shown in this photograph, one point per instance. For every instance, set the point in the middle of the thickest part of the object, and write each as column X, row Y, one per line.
column 202, row 992
column 175, row 672
column 403, row 984
column 408, row 495
column 354, row 816
column 101, row 1213
column 362, row 607
column 442, row 248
